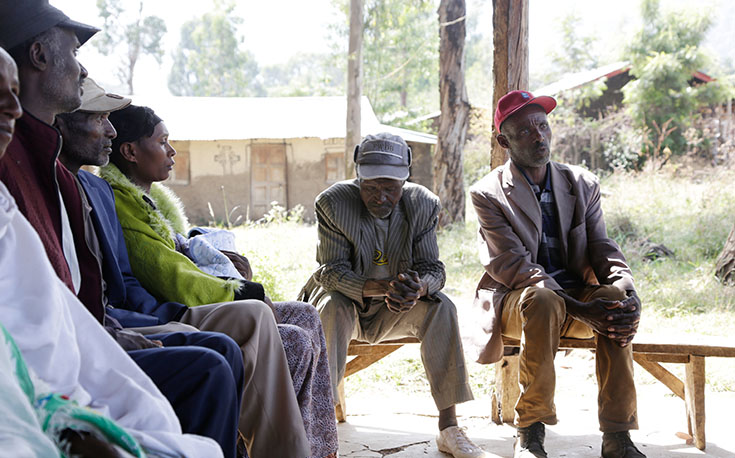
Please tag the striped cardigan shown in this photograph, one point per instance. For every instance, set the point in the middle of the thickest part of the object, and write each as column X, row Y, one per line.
column 347, row 240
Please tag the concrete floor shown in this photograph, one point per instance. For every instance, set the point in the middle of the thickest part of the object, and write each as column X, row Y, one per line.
column 400, row 425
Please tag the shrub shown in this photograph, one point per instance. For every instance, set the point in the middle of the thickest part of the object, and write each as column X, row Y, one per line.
column 477, row 148
column 278, row 214
column 664, row 55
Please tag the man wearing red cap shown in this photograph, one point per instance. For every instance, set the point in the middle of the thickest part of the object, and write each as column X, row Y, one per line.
column 552, row 271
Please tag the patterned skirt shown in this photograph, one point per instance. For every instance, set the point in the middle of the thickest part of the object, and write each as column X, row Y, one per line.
column 306, row 352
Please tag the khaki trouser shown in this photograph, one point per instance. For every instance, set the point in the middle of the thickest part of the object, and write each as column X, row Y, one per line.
column 434, row 323
column 270, row 419
column 537, row 316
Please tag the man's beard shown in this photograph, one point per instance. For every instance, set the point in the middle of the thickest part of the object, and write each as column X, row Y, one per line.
column 55, row 94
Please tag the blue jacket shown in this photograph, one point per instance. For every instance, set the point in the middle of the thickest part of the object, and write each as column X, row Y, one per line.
column 128, row 301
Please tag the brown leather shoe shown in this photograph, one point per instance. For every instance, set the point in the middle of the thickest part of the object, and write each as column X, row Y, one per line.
column 619, row 445
column 530, row 442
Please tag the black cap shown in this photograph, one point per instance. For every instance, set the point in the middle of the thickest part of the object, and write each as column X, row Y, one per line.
column 383, row 156
column 21, row 20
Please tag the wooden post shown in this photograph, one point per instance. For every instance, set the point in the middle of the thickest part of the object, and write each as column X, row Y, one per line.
column 507, row 391
column 694, row 394
column 354, row 85
column 510, row 72
column 510, row 57
column 340, row 410
column 455, row 112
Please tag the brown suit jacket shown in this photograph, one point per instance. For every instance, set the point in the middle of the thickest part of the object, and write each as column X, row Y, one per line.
column 510, row 232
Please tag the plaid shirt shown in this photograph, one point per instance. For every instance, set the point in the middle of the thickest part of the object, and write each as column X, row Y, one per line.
column 549, row 250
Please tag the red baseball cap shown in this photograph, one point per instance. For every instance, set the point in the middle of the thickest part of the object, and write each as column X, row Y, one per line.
column 515, row 100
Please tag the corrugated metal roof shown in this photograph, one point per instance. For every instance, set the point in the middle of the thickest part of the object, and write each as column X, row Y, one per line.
column 408, row 135
column 237, row 118
column 574, row 80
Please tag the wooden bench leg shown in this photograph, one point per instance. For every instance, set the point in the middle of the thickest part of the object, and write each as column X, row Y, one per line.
column 694, row 394
column 364, row 356
column 506, row 392
column 340, row 409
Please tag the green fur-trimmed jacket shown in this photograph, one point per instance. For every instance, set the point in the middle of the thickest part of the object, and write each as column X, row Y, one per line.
column 149, row 223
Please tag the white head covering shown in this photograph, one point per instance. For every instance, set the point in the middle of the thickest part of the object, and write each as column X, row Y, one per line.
column 67, row 348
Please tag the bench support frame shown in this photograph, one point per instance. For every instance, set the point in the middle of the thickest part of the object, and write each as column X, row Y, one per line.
column 507, row 390
column 691, row 390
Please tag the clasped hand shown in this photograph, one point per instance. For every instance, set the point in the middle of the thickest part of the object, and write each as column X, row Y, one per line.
column 404, row 292
column 618, row 320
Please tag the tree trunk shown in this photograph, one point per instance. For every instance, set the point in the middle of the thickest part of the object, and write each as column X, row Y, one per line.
column 455, row 111
column 725, row 267
column 354, row 85
column 131, row 73
column 134, row 50
column 510, row 57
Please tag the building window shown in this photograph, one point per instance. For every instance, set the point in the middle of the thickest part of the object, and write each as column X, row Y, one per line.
column 334, row 166
column 180, row 173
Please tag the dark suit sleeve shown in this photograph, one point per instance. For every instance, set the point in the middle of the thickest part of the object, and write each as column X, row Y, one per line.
column 605, row 255
column 426, row 250
column 333, row 253
column 505, row 258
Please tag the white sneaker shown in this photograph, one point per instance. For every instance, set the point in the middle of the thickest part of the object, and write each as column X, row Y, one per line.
column 454, row 441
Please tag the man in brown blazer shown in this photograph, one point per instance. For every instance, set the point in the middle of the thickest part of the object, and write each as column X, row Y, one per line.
column 552, row 271
column 380, row 276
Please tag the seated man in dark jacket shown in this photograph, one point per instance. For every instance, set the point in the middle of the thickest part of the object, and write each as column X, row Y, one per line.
column 201, row 375
column 87, row 138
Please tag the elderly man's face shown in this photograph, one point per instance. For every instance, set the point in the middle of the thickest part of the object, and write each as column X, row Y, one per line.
column 527, row 136
column 381, row 195
column 10, row 109
column 66, row 74
column 87, row 138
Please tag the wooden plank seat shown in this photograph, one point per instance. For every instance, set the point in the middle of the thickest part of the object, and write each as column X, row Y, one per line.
column 649, row 355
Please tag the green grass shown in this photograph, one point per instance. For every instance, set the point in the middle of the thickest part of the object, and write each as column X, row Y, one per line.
column 692, row 216
column 689, row 213
column 282, row 256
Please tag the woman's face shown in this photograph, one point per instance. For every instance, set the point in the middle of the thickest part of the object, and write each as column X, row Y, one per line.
column 154, row 156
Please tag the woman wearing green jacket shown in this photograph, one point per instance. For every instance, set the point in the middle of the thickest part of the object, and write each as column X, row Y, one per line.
column 151, row 216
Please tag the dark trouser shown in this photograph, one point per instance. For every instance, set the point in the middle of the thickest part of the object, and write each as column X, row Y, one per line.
column 201, row 375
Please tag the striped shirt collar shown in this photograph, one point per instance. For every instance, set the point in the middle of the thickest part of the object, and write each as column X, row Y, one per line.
column 534, row 186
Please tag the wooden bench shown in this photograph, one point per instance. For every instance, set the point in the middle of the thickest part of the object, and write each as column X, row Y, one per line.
column 505, row 394
column 647, row 355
